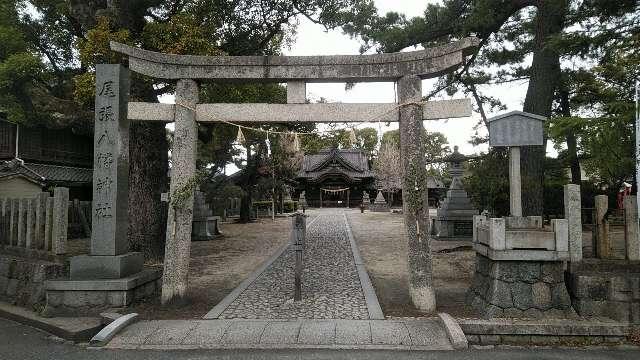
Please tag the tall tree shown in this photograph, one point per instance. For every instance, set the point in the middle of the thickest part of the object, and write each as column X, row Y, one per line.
column 56, row 84
column 511, row 33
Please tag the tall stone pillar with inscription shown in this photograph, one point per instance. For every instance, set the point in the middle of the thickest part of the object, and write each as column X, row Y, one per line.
column 109, row 257
column 414, row 193
column 110, row 276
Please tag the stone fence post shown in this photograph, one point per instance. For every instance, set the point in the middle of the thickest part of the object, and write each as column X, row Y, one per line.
column 603, row 248
column 22, row 222
column 40, row 205
column 13, row 226
column 631, row 228
column 48, row 224
column 4, row 221
column 31, row 223
column 60, row 219
column 572, row 212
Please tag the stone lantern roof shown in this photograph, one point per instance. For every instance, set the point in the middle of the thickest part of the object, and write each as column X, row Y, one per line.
column 456, row 157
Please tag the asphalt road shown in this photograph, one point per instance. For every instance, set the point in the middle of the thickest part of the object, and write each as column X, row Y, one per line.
column 18, row 342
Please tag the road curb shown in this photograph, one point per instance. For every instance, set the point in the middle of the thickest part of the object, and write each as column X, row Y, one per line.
column 108, row 332
column 373, row 305
column 73, row 329
column 454, row 332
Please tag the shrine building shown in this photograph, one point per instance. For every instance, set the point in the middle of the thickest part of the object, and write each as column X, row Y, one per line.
column 336, row 178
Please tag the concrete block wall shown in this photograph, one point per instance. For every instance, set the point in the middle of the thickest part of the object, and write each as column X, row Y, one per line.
column 22, row 280
column 609, row 291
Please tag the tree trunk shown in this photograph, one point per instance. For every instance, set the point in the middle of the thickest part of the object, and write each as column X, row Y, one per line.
column 147, row 180
column 245, row 200
column 245, row 206
column 572, row 145
column 543, row 81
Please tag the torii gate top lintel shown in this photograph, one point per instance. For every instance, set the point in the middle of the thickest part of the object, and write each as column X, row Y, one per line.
column 427, row 63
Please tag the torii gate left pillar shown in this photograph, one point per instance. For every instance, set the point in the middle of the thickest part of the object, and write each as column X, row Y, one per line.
column 415, row 204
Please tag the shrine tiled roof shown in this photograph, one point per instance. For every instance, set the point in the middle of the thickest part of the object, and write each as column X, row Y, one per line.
column 352, row 163
column 43, row 173
column 62, row 173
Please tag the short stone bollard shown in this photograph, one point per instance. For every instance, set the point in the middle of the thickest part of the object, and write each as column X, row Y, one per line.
column 298, row 233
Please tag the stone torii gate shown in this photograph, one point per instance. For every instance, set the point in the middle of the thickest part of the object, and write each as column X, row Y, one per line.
column 112, row 126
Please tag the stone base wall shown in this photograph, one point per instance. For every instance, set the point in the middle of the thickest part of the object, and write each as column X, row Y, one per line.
column 606, row 288
column 519, row 289
column 22, row 280
column 554, row 332
column 545, row 340
column 79, row 301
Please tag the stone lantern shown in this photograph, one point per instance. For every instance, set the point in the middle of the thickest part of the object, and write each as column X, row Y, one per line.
column 455, row 215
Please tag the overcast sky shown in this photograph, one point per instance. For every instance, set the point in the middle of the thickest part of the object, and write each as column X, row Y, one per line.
column 312, row 39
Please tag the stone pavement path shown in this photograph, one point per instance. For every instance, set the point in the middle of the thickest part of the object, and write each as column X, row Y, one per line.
column 331, row 287
column 232, row 334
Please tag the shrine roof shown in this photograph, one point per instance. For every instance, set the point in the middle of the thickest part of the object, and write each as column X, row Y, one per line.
column 349, row 162
column 43, row 173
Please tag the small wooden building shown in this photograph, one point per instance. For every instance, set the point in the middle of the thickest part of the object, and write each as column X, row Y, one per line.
column 336, row 178
column 33, row 159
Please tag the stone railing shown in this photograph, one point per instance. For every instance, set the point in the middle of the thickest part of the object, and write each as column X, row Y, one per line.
column 521, row 235
column 36, row 224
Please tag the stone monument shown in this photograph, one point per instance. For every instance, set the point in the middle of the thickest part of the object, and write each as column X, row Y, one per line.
column 302, row 201
column 455, row 215
column 366, row 201
column 110, row 276
column 380, row 204
column 519, row 263
column 205, row 225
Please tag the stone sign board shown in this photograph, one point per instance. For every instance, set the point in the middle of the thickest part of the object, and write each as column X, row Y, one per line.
column 516, row 128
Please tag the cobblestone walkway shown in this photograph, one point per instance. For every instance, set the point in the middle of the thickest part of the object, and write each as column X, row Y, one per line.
column 330, row 283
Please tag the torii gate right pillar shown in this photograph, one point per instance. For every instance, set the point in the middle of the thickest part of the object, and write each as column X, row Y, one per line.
column 415, row 204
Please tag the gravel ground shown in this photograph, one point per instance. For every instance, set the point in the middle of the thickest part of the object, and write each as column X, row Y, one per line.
column 219, row 266
column 330, row 284
column 384, row 250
